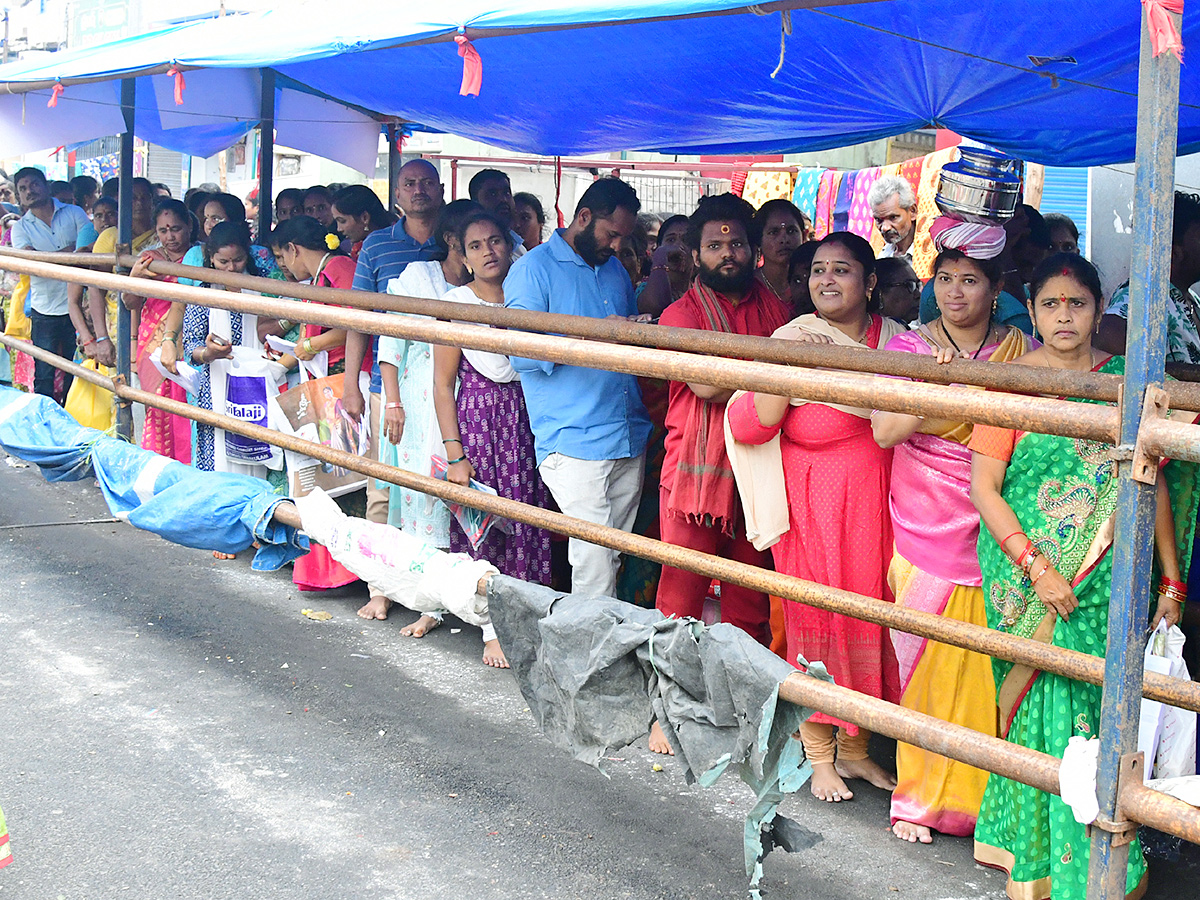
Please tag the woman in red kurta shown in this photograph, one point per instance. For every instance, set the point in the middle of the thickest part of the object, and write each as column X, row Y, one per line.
column 838, row 530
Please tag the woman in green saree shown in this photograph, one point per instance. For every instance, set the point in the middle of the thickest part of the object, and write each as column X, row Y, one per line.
column 1048, row 505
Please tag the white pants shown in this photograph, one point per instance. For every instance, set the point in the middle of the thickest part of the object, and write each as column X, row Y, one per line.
column 604, row 491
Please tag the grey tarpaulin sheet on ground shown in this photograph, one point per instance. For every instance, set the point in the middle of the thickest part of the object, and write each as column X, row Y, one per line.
column 596, row 672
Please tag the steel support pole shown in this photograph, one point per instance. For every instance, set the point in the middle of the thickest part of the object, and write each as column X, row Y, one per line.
column 1133, row 549
column 125, row 240
column 266, row 153
column 393, row 164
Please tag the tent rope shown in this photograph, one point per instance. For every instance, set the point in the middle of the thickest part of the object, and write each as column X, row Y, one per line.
column 785, row 29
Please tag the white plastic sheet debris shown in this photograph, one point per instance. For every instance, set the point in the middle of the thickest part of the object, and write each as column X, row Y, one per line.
column 1077, row 778
column 408, row 570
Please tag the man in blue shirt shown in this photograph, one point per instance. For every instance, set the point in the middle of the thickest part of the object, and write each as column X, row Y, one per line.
column 385, row 254
column 48, row 225
column 589, row 426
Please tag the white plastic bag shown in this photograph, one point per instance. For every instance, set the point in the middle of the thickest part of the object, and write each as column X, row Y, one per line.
column 242, row 387
column 1167, row 734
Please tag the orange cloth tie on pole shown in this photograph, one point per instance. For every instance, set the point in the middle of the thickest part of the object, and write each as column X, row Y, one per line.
column 180, row 84
column 472, row 78
column 1164, row 35
column 55, row 93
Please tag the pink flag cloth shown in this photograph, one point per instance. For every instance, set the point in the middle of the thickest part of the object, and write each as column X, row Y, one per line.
column 1164, row 35
column 472, row 78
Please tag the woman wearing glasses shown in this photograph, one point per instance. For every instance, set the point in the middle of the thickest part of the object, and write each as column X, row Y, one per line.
column 897, row 293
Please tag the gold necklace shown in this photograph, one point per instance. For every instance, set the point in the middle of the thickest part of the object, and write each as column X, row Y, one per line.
column 767, row 279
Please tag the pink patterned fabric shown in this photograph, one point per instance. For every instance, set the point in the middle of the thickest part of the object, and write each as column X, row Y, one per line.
column 862, row 222
column 976, row 240
column 827, row 193
column 936, row 526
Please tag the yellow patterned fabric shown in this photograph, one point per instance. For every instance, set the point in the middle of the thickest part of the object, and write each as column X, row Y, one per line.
column 923, row 251
column 763, row 186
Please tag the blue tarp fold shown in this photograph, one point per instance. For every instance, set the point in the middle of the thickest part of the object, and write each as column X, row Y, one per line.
column 205, row 510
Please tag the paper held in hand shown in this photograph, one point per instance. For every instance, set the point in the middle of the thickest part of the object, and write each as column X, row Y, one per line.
column 186, row 375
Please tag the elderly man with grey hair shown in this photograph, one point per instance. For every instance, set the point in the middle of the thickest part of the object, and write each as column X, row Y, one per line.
column 894, row 207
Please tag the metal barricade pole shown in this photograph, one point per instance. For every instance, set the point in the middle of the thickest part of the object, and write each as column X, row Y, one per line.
column 1133, row 549
column 125, row 239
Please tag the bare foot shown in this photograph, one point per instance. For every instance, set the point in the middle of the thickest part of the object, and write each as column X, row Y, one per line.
column 827, row 785
column 493, row 656
column 658, row 741
column 868, row 770
column 421, row 627
column 376, row 608
column 907, row 831
column 217, row 554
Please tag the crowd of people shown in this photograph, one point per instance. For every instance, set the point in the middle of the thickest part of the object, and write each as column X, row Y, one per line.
column 886, row 505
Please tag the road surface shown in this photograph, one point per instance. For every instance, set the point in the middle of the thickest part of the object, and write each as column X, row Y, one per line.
column 172, row 727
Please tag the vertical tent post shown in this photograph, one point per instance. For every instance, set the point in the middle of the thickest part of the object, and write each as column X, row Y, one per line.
column 393, row 164
column 1133, row 549
column 125, row 241
column 266, row 153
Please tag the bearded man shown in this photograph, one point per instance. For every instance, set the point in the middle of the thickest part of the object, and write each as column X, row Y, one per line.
column 590, row 427
column 699, row 502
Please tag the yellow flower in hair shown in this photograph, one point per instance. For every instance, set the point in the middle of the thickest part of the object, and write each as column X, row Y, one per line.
column 332, row 241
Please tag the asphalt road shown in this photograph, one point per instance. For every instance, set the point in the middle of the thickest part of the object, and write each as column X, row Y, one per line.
column 172, row 727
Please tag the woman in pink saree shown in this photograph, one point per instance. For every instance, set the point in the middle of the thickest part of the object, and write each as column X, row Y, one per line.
column 164, row 433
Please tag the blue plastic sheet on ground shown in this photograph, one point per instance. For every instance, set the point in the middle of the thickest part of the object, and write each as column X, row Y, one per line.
column 205, row 510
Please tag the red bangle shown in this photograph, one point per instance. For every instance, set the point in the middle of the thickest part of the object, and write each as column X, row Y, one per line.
column 1172, row 583
column 1014, row 534
column 394, row 405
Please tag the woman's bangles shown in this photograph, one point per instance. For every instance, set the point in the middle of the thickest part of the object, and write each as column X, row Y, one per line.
column 1173, row 590
column 1027, row 557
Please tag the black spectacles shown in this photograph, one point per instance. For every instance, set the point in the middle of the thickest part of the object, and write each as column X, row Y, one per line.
column 911, row 284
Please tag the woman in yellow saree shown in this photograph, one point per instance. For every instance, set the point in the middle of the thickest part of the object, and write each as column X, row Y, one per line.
column 935, row 568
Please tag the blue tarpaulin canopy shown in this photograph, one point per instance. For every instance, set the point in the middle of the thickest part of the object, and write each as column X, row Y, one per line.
column 1055, row 84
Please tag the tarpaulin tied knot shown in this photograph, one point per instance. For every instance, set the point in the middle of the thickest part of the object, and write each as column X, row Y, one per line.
column 1164, row 35
column 55, row 93
column 180, row 84
column 472, row 78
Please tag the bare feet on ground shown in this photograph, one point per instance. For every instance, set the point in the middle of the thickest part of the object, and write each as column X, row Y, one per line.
column 421, row 627
column 907, row 831
column 217, row 554
column 376, row 608
column 827, row 784
column 493, row 656
column 658, row 741
column 868, row 770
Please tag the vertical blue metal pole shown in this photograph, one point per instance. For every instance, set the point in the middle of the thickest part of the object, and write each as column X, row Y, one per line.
column 1133, row 549
column 125, row 239
column 266, row 154
column 393, row 139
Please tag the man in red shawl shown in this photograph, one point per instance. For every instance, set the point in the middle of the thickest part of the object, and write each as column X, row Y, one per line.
column 699, row 499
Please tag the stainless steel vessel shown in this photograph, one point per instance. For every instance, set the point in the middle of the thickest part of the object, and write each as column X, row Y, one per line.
column 982, row 186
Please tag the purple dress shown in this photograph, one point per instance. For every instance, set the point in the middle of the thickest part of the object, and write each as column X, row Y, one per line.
column 497, row 439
